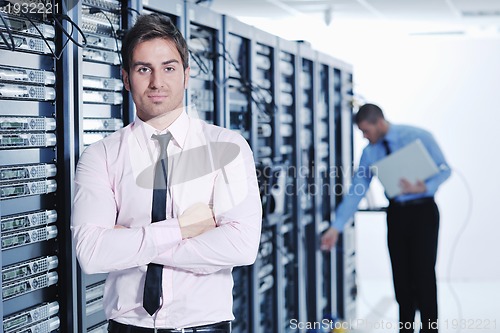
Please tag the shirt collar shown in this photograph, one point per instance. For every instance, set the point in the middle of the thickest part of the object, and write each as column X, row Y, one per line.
column 178, row 129
column 142, row 133
column 390, row 136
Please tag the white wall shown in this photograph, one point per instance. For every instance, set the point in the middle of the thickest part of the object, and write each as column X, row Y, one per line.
column 449, row 85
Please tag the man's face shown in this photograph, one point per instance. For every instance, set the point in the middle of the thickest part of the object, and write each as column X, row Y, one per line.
column 372, row 132
column 156, row 79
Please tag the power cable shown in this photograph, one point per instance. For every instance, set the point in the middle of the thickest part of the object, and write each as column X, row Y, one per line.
column 94, row 10
column 12, row 46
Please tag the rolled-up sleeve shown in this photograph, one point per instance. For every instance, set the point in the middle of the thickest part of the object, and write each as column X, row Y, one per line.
column 437, row 155
column 357, row 190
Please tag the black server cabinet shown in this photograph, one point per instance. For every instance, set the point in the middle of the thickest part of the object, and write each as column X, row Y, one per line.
column 324, row 174
column 101, row 108
column 345, row 250
column 34, row 227
column 237, row 85
column 204, row 38
column 265, row 271
column 307, row 187
column 291, row 235
column 239, row 116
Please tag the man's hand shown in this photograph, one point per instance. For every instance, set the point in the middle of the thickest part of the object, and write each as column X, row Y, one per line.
column 407, row 187
column 329, row 239
column 196, row 220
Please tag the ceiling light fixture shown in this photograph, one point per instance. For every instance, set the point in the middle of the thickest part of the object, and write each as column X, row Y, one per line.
column 328, row 15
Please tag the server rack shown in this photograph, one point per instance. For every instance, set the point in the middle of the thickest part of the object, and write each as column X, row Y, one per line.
column 345, row 250
column 324, row 141
column 101, row 108
column 265, row 272
column 294, row 281
column 239, row 116
column 307, row 186
column 32, row 174
column 237, row 84
column 204, row 37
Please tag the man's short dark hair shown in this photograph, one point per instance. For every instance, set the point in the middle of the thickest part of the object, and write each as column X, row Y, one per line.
column 370, row 113
column 148, row 27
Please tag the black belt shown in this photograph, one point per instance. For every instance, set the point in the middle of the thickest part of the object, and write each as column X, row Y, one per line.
column 222, row 327
column 414, row 202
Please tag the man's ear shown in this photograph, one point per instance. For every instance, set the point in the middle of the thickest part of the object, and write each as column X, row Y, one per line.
column 126, row 81
column 380, row 122
column 186, row 77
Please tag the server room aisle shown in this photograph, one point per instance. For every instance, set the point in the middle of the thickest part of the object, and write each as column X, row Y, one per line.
column 464, row 307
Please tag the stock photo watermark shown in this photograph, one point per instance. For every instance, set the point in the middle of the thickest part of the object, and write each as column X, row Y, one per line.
column 473, row 325
column 308, row 184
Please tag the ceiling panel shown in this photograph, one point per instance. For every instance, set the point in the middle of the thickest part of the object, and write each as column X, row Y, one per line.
column 339, row 8
column 416, row 10
column 464, row 13
column 252, row 8
column 486, row 6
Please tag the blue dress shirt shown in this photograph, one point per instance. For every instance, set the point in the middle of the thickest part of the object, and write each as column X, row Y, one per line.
column 397, row 136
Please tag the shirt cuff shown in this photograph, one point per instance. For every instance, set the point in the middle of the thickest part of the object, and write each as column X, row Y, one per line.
column 338, row 225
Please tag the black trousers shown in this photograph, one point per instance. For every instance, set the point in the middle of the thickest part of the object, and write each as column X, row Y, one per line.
column 412, row 239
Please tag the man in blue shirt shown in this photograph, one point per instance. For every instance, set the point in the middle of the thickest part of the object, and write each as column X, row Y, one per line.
column 412, row 216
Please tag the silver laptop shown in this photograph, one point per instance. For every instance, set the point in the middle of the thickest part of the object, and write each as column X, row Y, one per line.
column 412, row 162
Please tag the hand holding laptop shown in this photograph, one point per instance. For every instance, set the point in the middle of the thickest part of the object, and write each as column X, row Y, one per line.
column 405, row 170
column 407, row 187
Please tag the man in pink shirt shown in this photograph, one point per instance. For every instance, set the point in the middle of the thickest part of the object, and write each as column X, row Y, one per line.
column 211, row 211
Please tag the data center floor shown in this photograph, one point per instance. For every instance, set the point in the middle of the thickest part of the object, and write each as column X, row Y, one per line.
column 464, row 307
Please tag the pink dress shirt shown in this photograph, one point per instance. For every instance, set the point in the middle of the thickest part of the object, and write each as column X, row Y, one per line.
column 113, row 189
